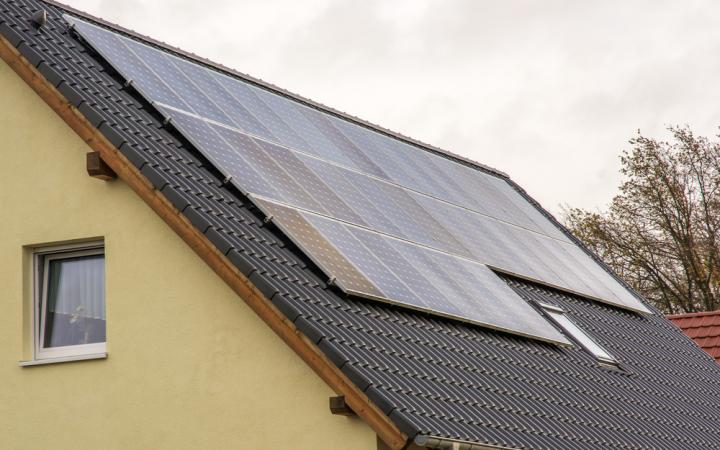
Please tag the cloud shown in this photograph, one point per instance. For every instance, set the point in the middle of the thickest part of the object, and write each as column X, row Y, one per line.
column 548, row 92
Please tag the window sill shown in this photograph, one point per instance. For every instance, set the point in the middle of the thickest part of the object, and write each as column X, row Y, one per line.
column 38, row 362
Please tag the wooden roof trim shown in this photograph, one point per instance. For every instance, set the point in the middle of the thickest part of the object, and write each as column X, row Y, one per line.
column 386, row 430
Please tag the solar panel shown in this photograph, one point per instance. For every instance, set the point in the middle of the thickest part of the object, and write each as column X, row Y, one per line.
column 321, row 250
column 407, row 274
column 360, row 179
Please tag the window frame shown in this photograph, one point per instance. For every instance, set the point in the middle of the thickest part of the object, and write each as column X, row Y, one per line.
column 42, row 256
column 578, row 334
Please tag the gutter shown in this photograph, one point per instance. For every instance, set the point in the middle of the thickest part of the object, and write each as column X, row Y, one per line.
column 439, row 443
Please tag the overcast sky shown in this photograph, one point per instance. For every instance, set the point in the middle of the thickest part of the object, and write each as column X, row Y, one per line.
column 547, row 91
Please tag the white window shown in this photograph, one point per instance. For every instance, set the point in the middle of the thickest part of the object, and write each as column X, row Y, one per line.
column 69, row 302
column 580, row 336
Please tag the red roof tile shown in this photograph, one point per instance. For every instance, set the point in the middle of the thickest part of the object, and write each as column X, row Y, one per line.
column 703, row 328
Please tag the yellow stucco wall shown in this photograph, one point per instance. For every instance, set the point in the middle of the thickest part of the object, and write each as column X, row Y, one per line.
column 189, row 367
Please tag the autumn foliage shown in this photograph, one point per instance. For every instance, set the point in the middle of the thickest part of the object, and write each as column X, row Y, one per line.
column 660, row 233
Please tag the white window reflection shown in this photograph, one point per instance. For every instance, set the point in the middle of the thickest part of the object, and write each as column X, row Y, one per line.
column 559, row 316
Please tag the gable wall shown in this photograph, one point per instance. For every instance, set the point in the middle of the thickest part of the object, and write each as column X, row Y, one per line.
column 189, row 367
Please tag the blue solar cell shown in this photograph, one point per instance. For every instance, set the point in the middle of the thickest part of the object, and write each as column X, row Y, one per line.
column 343, row 145
column 533, row 261
column 542, row 224
column 560, row 263
column 371, row 266
column 335, row 265
column 377, row 152
column 475, row 290
column 112, row 47
column 318, row 188
column 413, row 221
column 217, row 150
column 432, row 181
column 428, row 295
column 247, row 96
column 581, row 264
column 408, row 227
column 475, row 232
column 240, row 117
column 341, row 182
column 163, row 66
column 470, row 183
column 582, row 261
column 317, row 143
column 270, row 171
column 427, row 265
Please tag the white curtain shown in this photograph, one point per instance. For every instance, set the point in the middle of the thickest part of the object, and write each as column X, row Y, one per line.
column 76, row 286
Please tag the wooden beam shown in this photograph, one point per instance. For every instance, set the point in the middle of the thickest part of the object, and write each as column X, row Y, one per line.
column 244, row 288
column 339, row 406
column 97, row 168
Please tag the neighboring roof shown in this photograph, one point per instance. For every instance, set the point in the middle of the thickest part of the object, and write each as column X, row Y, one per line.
column 431, row 376
column 703, row 328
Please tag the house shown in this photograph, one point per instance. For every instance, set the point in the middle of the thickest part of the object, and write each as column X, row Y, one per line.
column 194, row 259
column 703, row 328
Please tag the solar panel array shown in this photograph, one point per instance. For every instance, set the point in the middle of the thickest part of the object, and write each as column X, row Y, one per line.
column 395, row 271
column 352, row 189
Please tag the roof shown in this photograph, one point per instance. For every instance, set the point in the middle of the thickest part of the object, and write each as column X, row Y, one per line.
column 703, row 328
column 435, row 378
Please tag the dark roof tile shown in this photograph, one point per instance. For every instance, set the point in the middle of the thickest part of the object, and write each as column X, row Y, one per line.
column 10, row 34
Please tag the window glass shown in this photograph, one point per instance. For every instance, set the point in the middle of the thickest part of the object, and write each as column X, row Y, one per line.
column 74, row 309
column 578, row 334
column 69, row 309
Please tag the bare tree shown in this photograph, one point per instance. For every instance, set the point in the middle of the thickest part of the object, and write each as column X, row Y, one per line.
column 660, row 233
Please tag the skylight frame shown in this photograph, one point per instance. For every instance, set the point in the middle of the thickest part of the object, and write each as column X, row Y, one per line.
column 560, row 317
